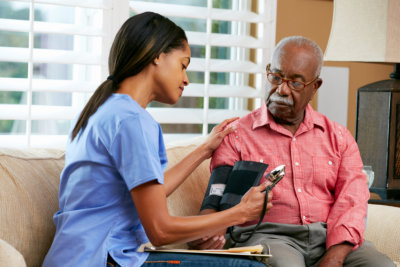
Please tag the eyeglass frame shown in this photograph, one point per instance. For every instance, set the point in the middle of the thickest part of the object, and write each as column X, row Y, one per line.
column 287, row 81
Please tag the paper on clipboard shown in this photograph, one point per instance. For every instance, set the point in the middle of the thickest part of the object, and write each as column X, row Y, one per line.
column 252, row 251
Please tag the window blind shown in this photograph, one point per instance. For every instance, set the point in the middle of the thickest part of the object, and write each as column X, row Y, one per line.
column 53, row 55
column 231, row 42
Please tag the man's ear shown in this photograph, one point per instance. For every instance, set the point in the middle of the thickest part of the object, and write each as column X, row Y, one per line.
column 317, row 84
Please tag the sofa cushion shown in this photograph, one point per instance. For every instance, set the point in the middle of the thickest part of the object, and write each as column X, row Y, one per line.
column 9, row 256
column 29, row 198
column 383, row 229
column 187, row 198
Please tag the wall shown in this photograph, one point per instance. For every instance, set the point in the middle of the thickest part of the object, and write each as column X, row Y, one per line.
column 312, row 19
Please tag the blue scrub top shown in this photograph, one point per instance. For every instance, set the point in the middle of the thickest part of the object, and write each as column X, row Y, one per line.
column 120, row 148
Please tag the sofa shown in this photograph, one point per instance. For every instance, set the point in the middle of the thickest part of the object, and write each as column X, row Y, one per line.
column 29, row 198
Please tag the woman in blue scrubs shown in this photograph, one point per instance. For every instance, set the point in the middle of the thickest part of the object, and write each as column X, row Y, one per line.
column 113, row 188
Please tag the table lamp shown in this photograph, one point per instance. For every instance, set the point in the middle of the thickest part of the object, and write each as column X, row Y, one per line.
column 369, row 31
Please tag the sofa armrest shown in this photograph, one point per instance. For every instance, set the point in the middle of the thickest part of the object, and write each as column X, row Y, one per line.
column 29, row 185
column 9, row 256
column 383, row 229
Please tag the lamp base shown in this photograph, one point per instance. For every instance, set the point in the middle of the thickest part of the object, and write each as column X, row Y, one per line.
column 378, row 133
column 386, row 194
column 396, row 72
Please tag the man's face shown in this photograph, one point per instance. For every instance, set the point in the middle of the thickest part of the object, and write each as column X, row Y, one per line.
column 298, row 64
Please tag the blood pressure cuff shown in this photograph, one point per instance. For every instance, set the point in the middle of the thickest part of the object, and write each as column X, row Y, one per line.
column 228, row 184
column 216, row 187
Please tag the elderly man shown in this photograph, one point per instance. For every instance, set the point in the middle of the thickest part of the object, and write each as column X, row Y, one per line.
column 319, row 207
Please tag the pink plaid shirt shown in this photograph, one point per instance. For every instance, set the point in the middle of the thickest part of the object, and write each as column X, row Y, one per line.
column 324, row 181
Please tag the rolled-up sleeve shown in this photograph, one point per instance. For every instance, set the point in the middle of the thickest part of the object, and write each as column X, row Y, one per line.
column 229, row 151
column 346, row 220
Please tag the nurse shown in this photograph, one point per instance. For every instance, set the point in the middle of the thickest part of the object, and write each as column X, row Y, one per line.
column 113, row 188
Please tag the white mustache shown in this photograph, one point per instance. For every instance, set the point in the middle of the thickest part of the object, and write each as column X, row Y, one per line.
column 277, row 98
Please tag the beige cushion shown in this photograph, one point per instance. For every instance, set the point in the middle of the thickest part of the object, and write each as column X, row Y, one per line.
column 28, row 199
column 187, row 199
column 383, row 229
column 9, row 256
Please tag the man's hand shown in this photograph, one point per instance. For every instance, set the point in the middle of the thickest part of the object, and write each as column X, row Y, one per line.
column 336, row 255
column 216, row 241
column 208, row 242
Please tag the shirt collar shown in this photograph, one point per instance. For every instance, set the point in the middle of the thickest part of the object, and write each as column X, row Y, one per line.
column 263, row 117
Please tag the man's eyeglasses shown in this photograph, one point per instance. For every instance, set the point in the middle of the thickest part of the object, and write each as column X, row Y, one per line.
column 275, row 79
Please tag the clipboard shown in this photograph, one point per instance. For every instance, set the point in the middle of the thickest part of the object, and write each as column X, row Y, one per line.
column 249, row 251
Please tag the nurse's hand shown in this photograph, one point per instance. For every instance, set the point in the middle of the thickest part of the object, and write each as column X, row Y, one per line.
column 217, row 134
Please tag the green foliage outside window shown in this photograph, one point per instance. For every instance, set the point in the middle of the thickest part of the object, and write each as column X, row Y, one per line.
column 13, row 69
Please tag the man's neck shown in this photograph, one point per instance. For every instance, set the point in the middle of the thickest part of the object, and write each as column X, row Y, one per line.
column 291, row 126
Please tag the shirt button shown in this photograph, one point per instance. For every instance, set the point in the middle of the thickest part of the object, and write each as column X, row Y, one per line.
column 237, row 136
column 294, row 138
column 297, row 164
column 330, row 162
column 304, row 217
column 261, row 160
column 299, row 190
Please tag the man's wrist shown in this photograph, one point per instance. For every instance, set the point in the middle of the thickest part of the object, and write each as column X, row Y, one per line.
column 340, row 251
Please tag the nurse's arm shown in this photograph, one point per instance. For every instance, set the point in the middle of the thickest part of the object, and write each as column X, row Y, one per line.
column 162, row 228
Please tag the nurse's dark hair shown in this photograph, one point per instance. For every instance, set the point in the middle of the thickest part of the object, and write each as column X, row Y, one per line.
column 140, row 40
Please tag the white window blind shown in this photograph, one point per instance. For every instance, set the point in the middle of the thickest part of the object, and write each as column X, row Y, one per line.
column 53, row 55
column 231, row 42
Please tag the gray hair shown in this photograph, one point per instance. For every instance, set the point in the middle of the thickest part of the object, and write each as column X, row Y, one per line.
column 299, row 41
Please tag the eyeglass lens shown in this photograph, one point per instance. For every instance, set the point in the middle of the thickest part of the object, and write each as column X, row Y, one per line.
column 275, row 79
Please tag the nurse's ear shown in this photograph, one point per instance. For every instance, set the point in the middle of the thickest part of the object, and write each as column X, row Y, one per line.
column 156, row 61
